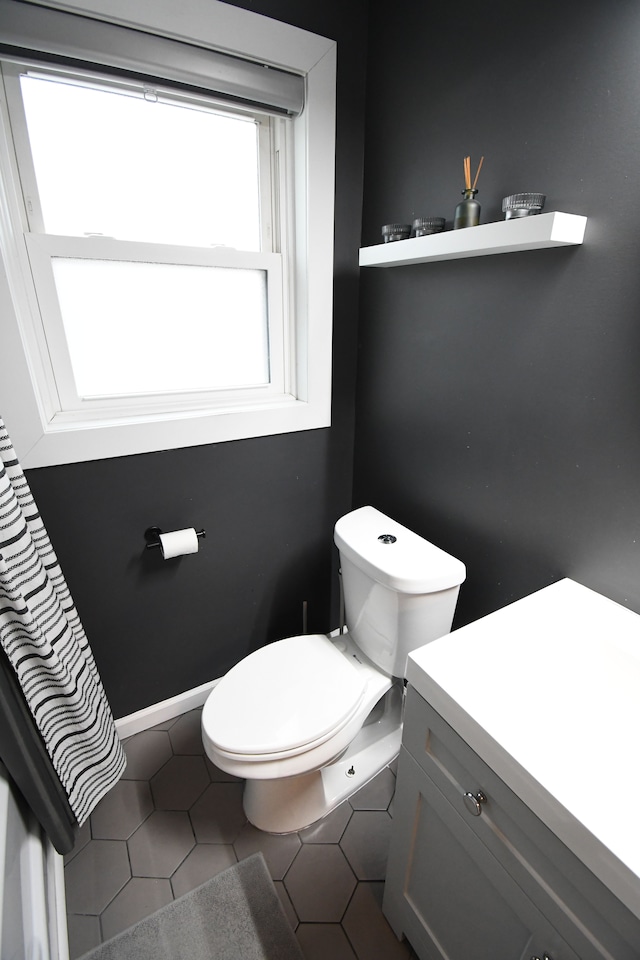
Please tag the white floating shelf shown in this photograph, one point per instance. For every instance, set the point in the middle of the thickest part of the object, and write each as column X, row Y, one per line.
column 504, row 236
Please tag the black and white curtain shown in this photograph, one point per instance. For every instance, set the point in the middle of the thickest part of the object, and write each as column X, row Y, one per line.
column 58, row 738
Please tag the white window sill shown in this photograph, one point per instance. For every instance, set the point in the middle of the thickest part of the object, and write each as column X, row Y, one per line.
column 102, row 439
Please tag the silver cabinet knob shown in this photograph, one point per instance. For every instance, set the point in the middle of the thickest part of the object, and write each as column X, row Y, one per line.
column 473, row 801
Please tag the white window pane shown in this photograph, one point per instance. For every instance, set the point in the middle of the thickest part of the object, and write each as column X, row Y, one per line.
column 136, row 169
column 139, row 328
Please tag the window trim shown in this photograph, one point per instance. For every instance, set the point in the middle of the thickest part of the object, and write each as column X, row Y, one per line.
column 41, row 441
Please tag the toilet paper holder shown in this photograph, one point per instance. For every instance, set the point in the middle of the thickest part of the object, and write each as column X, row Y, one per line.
column 152, row 536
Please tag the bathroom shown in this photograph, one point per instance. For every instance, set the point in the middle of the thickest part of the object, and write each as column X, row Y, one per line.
column 490, row 404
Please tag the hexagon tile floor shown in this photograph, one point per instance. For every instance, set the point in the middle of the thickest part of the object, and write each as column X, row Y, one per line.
column 174, row 820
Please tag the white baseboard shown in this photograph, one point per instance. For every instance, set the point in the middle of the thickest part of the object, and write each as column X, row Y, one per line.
column 165, row 710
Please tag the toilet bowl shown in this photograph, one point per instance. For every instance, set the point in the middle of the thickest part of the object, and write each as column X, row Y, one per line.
column 306, row 721
column 320, row 740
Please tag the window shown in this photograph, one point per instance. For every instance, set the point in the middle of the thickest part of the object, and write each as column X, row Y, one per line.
column 151, row 223
column 157, row 248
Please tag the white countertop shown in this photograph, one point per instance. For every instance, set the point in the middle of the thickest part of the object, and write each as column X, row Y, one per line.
column 547, row 692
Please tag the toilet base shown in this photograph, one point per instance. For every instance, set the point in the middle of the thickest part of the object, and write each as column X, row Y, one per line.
column 293, row 803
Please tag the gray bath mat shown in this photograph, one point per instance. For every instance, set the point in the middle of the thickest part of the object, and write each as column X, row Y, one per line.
column 237, row 915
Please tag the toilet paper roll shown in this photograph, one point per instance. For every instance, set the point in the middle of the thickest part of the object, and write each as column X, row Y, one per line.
column 178, row 543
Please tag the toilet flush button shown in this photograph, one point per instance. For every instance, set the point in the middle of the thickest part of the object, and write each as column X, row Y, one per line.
column 387, row 538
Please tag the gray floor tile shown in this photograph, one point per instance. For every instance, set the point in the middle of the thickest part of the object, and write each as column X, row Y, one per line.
column 122, row 810
column 179, row 783
column 319, row 941
column 141, row 897
column 279, row 851
column 369, row 933
column 94, row 877
column 204, row 862
column 320, row 883
column 159, row 846
column 285, row 899
column 377, row 794
column 220, row 776
column 218, row 816
column 83, row 933
column 186, row 734
column 190, row 825
column 330, row 828
column 165, row 724
column 365, row 843
column 146, row 753
column 82, row 839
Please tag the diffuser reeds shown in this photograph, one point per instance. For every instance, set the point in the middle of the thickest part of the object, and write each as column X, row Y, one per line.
column 467, row 173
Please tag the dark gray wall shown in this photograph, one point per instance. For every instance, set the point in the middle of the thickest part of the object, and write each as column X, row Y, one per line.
column 268, row 505
column 499, row 397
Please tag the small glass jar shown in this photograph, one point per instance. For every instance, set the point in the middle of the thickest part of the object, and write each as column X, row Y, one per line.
column 523, row 205
column 424, row 226
column 396, row 231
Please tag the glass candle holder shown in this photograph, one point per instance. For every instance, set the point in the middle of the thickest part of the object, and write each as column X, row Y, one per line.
column 423, row 226
column 522, row 205
column 396, row 231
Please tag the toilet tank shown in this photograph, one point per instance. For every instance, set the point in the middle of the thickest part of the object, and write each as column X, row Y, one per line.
column 400, row 591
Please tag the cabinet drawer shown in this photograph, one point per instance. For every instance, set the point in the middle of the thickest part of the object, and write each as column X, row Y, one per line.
column 578, row 905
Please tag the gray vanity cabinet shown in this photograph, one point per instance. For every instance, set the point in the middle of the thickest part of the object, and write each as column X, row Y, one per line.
column 479, row 877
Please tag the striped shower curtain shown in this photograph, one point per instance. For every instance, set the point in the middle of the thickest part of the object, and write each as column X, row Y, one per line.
column 48, row 653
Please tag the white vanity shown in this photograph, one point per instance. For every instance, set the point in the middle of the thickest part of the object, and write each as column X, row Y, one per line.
column 516, row 819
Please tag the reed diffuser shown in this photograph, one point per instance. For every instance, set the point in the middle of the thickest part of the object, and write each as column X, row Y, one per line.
column 468, row 210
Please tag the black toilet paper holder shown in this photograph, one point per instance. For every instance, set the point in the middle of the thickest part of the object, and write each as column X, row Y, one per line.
column 152, row 536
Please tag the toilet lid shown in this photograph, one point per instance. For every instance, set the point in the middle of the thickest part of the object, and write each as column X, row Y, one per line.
column 285, row 695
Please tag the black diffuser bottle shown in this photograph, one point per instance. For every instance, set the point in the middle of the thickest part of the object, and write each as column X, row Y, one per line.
column 468, row 210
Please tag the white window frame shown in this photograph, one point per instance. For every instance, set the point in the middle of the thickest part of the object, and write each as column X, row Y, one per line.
column 42, row 439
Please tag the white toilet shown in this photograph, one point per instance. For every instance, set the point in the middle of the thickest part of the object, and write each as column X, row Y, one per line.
column 308, row 720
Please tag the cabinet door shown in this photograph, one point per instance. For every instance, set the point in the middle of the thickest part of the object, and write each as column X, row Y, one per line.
column 447, row 893
column 574, row 902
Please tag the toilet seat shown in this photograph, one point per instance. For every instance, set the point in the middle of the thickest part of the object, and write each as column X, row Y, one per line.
column 283, row 700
